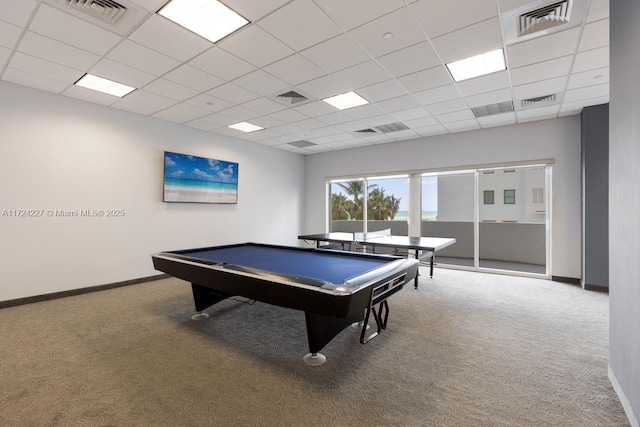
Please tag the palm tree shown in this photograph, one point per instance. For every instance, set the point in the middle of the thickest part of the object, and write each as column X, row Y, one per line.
column 339, row 206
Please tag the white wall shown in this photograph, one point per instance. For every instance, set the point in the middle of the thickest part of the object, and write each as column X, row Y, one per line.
column 557, row 139
column 624, row 206
column 62, row 153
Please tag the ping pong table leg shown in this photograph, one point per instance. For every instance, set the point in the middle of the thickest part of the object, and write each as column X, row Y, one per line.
column 431, row 266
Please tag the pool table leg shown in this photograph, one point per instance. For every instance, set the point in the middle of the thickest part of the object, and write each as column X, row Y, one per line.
column 206, row 297
column 322, row 329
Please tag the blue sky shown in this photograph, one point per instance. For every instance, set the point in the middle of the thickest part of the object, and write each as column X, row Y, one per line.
column 183, row 166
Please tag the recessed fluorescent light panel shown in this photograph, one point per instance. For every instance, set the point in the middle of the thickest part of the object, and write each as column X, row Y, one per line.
column 245, row 127
column 476, row 66
column 103, row 85
column 207, row 18
column 346, row 100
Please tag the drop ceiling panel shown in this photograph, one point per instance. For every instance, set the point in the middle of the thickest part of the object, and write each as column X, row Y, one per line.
column 383, row 119
column 315, row 109
column 497, row 120
column 591, row 59
column 542, row 70
column 595, row 35
column 421, row 122
column 232, row 93
column 336, row 54
column 491, row 82
column 180, row 113
column 409, row 60
column 426, row 79
column 577, row 106
column 589, row 78
column 170, row 90
column 362, row 75
column 258, row 47
column 533, row 90
column 300, row 24
column 309, row 124
column 543, row 48
column 400, row 103
column 44, row 68
column 73, row 31
column 209, row 103
column 447, row 106
column 478, row 38
column 599, row 9
column 335, row 118
column 193, row 78
column 120, row 73
column 462, row 126
column 288, row 116
column 439, row 17
column 294, row 69
column 142, row 58
column 455, row 116
column 544, row 112
column 9, row 35
column 166, row 37
column 400, row 23
column 4, row 55
column 240, row 113
column 587, row 92
column 31, row 80
column 17, row 12
column 267, row 122
column 264, row 106
column 410, row 114
column 436, row 95
column 260, row 82
column 254, row 10
column 222, row 64
column 142, row 102
column 151, row 5
column 201, row 124
column 364, row 112
column 90, row 95
column 381, row 91
column 55, row 51
column 147, row 98
column 353, row 13
column 495, row 97
column 324, row 87
column 431, row 130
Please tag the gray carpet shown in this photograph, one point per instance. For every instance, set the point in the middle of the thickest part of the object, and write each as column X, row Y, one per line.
column 465, row 349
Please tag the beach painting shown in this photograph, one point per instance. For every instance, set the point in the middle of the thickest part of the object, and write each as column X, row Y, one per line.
column 191, row 179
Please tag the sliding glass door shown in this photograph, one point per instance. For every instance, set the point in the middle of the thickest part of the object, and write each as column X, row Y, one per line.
column 500, row 217
column 448, row 211
column 512, row 219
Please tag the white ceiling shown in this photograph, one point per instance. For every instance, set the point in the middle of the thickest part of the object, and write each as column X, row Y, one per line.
column 320, row 48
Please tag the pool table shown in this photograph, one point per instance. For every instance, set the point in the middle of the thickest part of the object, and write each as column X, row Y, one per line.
column 333, row 288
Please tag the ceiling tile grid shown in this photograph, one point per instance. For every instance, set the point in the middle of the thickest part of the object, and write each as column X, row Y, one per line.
column 393, row 53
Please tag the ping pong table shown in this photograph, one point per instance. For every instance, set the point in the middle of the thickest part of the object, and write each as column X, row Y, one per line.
column 422, row 248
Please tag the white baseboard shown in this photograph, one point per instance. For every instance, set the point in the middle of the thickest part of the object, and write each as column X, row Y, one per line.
column 626, row 404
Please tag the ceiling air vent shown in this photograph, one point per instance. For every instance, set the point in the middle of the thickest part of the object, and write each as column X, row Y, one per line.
column 541, row 18
column 291, row 97
column 391, row 127
column 119, row 17
column 489, row 110
column 302, row 143
column 541, row 100
column 546, row 17
column 366, row 131
column 106, row 10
